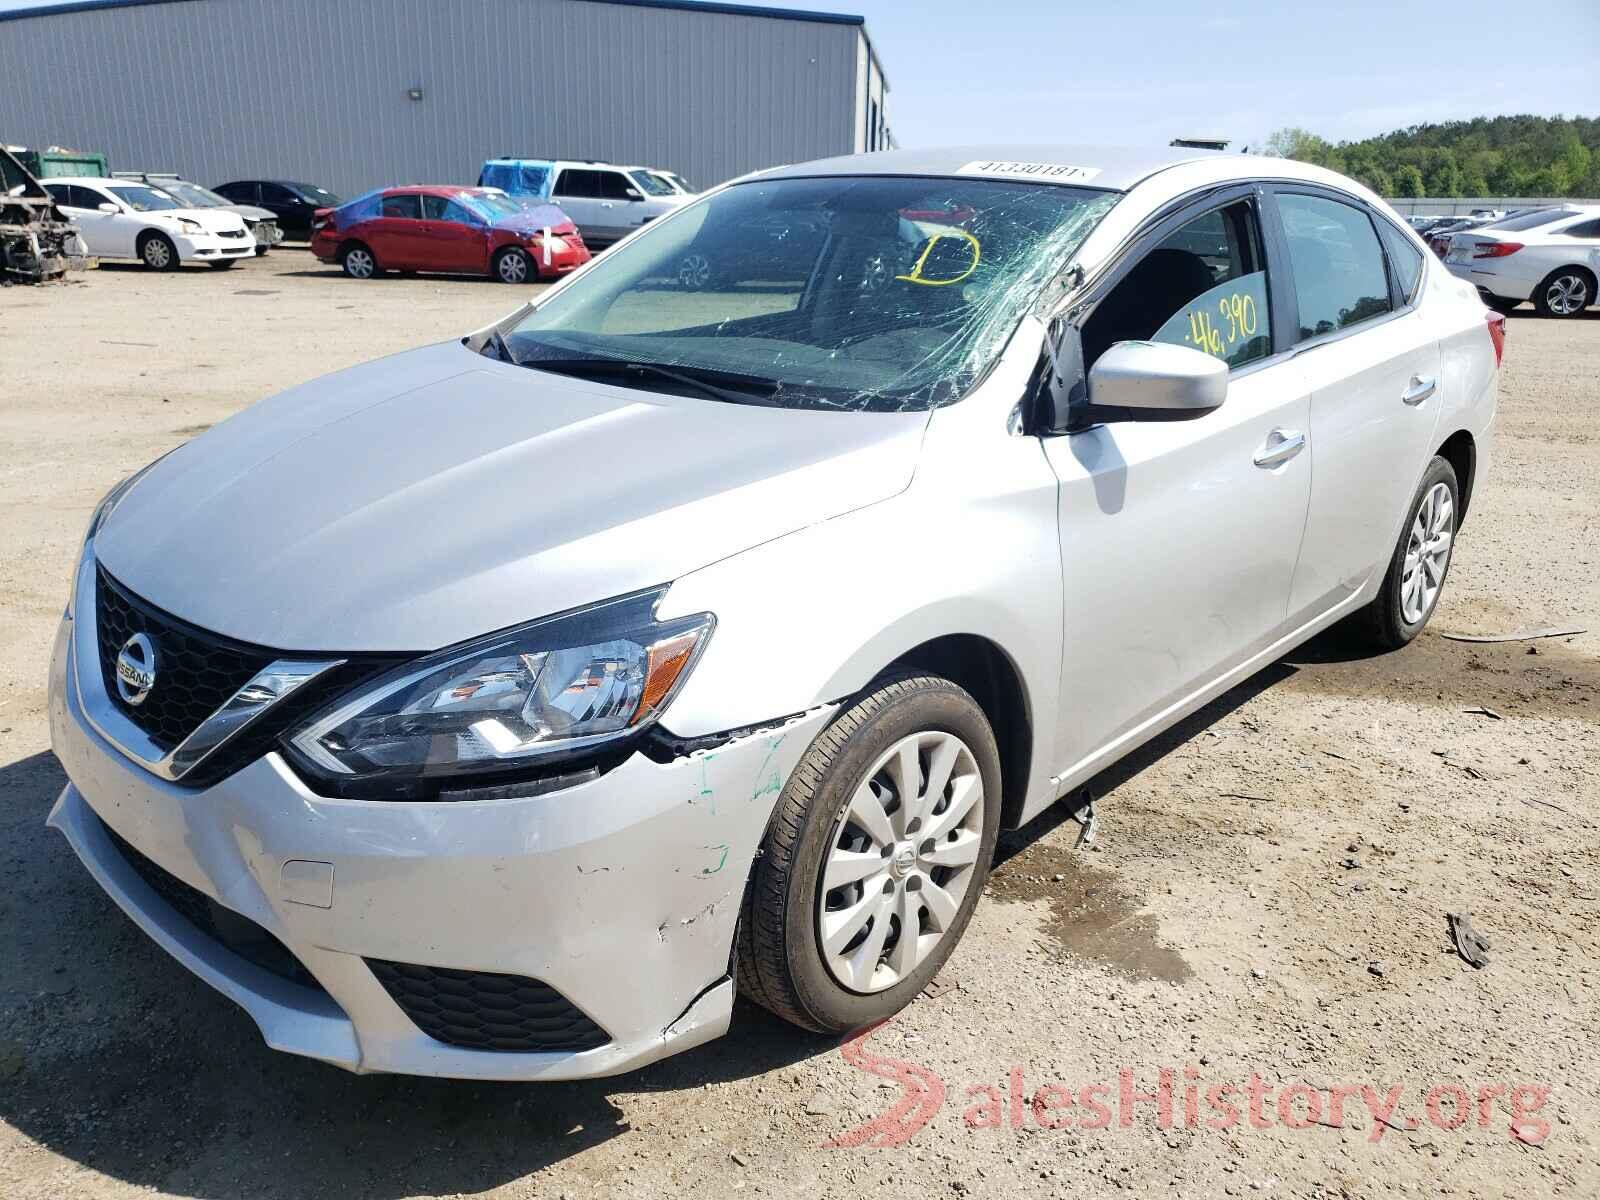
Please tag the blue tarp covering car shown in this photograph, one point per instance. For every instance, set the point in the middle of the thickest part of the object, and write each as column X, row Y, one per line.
column 519, row 176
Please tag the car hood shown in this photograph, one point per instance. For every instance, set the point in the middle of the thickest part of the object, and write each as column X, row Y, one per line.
column 214, row 220
column 438, row 495
column 249, row 212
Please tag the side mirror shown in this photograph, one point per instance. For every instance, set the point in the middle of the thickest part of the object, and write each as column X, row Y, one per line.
column 1138, row 381
column 107, row 207
column 635, row 194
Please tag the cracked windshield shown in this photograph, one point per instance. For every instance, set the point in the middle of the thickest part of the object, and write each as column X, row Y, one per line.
column 888, row 294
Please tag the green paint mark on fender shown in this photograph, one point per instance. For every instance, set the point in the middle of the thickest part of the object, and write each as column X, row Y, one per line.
column 722, row 859
column 768, row 782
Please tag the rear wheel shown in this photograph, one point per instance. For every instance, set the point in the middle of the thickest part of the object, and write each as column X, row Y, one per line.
column 1421, row 560
column 695, row 272
column 1564, row 293
column 358, row 262
column 157, row 252
column 875, row 858
column 512, row 265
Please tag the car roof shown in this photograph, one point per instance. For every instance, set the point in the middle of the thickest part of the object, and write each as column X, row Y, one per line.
column 1111, row 168
column 435, row 189
column 102, row 180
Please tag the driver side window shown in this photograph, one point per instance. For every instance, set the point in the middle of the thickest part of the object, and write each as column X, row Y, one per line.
column 1204, row 287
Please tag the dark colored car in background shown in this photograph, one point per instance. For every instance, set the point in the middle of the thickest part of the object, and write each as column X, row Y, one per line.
column 472, row 231
column 294, row 204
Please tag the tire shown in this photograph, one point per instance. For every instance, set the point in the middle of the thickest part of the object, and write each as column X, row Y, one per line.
column 261, row 250
column 512, row 265
column 1395, row 616
column 222, row 264
column 157, row 252
column 782, row 963
column 1565, row 292
column 359, row 262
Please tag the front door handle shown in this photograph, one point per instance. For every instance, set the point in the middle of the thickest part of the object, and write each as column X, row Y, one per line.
column 1422, row 386
column 1281, row 445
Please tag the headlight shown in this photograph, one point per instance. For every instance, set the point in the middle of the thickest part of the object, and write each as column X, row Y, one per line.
column 505, row 702
column 188, row 226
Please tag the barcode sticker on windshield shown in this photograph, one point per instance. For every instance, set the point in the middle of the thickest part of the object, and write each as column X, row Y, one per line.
column 1059, row 172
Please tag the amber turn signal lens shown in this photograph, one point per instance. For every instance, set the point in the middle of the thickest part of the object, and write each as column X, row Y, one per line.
column 664, row 662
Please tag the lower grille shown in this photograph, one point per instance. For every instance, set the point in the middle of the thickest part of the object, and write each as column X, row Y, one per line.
column 234, row 932
column 480, row 1011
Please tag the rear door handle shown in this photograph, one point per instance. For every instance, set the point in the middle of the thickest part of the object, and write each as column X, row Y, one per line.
column 1281, row 445
column 1422, row 386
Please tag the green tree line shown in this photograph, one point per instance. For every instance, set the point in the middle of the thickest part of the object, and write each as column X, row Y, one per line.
column 1487, row 156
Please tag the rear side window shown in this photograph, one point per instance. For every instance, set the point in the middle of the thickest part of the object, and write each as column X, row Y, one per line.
column 1339, row 279
column 408, row 207
column 61, row 194
column 239, row 193
column 1204, row 287
column 579, row 183
column 1589, row 230
column 1532, row 220
column 1405, row 260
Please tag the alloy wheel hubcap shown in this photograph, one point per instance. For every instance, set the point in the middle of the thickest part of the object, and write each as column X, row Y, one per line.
column 1567, row 295
column 694, row 271
column 359, row 263
column 156, row 253
column 901, row 858
column 513, row 268
column 1427, row 554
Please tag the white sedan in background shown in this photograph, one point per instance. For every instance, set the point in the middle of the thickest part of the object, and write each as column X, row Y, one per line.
column 118, row 218
column 1551, row 256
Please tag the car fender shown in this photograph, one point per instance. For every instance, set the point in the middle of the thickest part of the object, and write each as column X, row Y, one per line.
column 969, row 548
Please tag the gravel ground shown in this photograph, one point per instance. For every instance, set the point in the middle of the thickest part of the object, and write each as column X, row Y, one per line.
column 1266, row 897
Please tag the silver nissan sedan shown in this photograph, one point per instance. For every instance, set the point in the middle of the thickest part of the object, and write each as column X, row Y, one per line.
column 501, row 708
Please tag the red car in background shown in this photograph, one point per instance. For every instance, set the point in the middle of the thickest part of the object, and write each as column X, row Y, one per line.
column 462, row 230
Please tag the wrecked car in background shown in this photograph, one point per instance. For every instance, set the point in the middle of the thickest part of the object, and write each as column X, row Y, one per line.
column 261, row 222
column 37, row 242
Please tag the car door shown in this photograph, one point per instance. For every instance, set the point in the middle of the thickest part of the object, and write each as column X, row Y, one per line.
column 399, row 236
column 1372, row 364
column 105, row 234
column 577, row 193
column 624, row 203
column 455, row 239
column 1179, row 538
column 293, row 213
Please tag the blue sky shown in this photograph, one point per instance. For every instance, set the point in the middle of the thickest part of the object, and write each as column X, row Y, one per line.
column 1144, row 71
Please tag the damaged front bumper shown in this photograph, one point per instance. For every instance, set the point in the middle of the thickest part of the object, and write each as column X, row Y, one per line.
column 419, row 935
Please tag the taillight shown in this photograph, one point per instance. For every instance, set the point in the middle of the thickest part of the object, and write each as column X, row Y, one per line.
column 1495, row 249
column 1497, row 335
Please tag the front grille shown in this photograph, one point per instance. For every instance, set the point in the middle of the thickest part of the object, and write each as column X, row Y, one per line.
column 231, row 233
column 236, row 933
column 480, row 1011
column 196, row 672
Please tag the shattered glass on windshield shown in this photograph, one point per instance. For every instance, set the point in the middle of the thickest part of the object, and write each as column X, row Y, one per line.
column 861, row 293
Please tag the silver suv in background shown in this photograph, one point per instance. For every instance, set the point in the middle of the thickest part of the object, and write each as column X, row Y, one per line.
column 608, row 202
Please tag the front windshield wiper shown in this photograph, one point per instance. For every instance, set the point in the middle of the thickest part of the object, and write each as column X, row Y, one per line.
column 496, row 340
column 744, row 389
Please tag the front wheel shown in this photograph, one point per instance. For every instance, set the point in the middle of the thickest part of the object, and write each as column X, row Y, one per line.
column 875, row 857
column 1564, row 293
column 158, row 253
column 1421, row 560
column 512, row 265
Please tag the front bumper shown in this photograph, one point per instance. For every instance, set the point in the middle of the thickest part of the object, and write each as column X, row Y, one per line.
column 621, row 893
column 209, row 247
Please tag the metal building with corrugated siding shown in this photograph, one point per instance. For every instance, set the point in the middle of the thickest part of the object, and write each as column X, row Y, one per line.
column 352, row 94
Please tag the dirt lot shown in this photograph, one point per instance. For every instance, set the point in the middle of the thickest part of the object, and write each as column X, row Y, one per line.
column 1266, row 898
